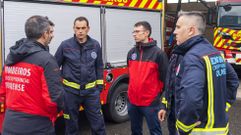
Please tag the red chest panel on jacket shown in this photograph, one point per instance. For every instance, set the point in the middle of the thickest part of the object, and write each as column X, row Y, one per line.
column 26, row 89
column 144, row 83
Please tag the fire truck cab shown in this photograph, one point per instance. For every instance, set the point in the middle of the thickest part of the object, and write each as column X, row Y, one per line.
column 227, row 33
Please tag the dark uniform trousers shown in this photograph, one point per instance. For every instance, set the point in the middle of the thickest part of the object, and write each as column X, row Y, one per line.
column 90, row 100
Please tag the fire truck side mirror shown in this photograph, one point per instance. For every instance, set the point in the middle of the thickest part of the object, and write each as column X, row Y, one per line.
column 212, row 16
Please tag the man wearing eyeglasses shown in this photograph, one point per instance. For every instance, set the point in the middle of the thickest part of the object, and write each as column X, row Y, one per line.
column 205, row 84
column 147, row 69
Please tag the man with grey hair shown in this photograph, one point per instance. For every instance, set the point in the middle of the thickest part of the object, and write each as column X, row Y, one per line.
column 205, row 84
column 31, row 82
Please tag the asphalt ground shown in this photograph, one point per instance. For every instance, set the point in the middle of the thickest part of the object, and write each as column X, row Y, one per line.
column 124, row 128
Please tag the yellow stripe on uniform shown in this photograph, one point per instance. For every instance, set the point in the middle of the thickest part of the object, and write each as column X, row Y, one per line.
column 71, row 84
column 90, row 85
column 227, row 106
column 184, row 127
column 99, row 82
column 66, row 116
column 87, row 86
column 210, row 109
column 164, row 101
column 212, row 131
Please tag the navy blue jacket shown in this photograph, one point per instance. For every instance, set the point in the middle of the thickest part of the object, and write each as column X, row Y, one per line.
column 81, row 63
column 192, row 91
column 170, row 81
column 34, row 102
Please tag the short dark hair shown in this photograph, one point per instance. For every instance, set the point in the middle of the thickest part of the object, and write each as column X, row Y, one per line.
column 82, row 18
column 36, row 25
column 146, row 25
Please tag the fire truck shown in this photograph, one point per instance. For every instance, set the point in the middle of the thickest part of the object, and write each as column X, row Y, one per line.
column 111, row 23
column 227, row 33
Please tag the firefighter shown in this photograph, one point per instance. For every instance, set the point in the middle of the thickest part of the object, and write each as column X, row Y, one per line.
column 80, row 58
column 206, row 85
column 147, row 69
column 31, row 82
column 168, row 100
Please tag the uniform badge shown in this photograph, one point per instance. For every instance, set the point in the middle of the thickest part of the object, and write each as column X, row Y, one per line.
column 133, row 56
column 94, row 55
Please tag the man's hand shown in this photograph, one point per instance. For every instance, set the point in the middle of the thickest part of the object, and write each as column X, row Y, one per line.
column 162, row 115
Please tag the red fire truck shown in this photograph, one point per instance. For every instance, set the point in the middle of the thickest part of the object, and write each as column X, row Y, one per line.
column 227, row 33
column 111, row 23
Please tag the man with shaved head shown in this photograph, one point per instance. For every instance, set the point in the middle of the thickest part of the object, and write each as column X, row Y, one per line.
column 205, row 85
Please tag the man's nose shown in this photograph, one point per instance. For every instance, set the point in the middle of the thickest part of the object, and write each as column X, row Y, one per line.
column 175, row 32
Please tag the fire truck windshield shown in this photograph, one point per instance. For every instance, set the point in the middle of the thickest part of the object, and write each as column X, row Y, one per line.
column 229, row 16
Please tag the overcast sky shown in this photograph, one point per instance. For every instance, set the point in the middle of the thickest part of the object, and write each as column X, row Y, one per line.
column 175, row 1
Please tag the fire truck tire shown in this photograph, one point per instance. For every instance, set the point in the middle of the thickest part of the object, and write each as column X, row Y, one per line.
column 116, row 109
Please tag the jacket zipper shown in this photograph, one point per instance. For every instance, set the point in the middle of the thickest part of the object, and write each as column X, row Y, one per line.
column 140, row 60
column 141, row 53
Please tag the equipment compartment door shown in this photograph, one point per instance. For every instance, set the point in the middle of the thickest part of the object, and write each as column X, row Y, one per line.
column 119, row 27
column 62, row 15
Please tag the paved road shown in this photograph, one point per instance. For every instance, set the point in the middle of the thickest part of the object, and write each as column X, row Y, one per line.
column 124, row 128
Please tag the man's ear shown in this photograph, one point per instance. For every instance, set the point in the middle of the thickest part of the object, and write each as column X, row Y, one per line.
column 88, row 28
column 148, row 32
column 45, row 35
column 192, row 31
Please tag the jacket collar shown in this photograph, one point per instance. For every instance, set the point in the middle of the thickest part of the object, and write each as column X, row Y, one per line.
column 22, row 49
column 146, row 45
column 188, row 44
column 86, row 44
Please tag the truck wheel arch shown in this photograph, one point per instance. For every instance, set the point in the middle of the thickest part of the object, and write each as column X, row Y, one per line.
column 116, row 108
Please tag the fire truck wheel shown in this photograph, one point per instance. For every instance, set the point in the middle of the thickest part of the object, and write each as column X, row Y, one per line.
column 116, row 109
